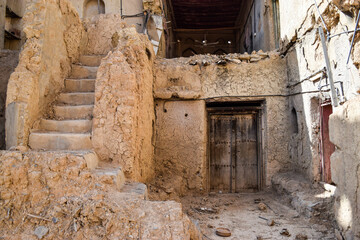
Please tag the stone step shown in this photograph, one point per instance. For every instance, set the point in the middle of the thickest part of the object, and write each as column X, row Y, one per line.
column 66, row 126
column 309, row 200
column 80, row 72
column 80, row 85
column 54, row 141
column 77, row 98
column 135, row 190
column 111, row 176
column 91, row 60
column 73, row 112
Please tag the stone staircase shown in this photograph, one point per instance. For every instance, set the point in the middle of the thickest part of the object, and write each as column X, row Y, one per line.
column 70, row 128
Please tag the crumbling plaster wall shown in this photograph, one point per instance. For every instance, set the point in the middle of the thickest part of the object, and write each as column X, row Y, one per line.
column 303, row 52
column 113, row 7
column 181, row 88
column 53, row 31
column 124, row 106
column 59, row 193
column 102, row 34
column 345, row 134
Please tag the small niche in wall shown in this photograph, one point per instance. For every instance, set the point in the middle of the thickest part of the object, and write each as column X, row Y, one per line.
column 93, row 8
column 294, row 122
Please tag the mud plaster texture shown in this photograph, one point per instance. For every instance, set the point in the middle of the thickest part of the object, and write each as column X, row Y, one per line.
column 53, row 32
column 234, row 77
column 345, row 166
column 102, row 33
column 8, row 62
column 304, row 56
column 180, row 149
column 58, row 193
column 124, row 106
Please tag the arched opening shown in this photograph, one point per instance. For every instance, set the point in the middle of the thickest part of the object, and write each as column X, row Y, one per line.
column 93, row 8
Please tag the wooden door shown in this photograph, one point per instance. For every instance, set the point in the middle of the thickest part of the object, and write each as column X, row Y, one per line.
column 246, row 171
column 233, row 152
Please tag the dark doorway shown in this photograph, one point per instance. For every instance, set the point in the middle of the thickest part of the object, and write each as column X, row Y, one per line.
column 234, row 144
column 328, row 147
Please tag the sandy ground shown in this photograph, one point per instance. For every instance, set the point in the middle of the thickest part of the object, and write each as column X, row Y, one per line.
column 240, row 213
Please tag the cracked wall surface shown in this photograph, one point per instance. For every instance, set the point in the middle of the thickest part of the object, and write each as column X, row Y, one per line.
column 304, row 55
column 181, row 88
column 43, row 65
column 124, row 106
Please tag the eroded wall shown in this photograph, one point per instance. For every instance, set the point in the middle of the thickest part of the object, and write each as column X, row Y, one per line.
column 124, row 107
column 43, row 65
column 180, row 146
column 345, row 166
column 303, row 51
column 102, row 34
column 183, row 85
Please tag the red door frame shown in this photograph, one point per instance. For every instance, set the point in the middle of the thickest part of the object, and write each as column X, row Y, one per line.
column 327, row 147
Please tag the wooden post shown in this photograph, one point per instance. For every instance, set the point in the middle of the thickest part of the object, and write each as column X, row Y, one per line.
column 2, row 23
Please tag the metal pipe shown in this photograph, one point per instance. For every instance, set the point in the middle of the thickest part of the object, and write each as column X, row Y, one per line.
column 338, row 34
column 322, row 19
column 334, row 98
column 121, row 8
column 353, row 39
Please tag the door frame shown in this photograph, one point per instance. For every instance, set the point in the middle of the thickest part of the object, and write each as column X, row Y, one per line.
column 240, row 107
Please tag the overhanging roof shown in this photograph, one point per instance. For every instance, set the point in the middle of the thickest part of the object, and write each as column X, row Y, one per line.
column 206, row 14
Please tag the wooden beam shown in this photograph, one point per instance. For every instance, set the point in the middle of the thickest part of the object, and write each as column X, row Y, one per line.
column 173, row 20
column 204, row 29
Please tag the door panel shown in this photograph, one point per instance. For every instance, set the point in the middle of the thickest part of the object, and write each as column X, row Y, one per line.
column 246, row 169
column 233, row 152
column 220, row 145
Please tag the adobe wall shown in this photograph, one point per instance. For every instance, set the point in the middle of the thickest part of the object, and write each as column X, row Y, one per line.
column 124, row 106
column 183, row 85
column 43, row 65
column 304, row 56
column 345, row 166
column 303, row 52
column 101, row 34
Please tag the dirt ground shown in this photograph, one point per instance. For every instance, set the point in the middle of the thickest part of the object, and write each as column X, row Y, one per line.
column 241, row 214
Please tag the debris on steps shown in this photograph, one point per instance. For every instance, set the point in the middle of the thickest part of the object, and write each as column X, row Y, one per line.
column 308, row 199
column 54, row 195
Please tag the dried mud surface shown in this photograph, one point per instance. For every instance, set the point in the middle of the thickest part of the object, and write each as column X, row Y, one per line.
column 241, row 213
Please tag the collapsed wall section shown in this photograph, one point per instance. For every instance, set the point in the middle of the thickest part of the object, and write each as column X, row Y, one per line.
column 124, row 106
column 56, row 196
column 53, row 31
column 182, row 88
